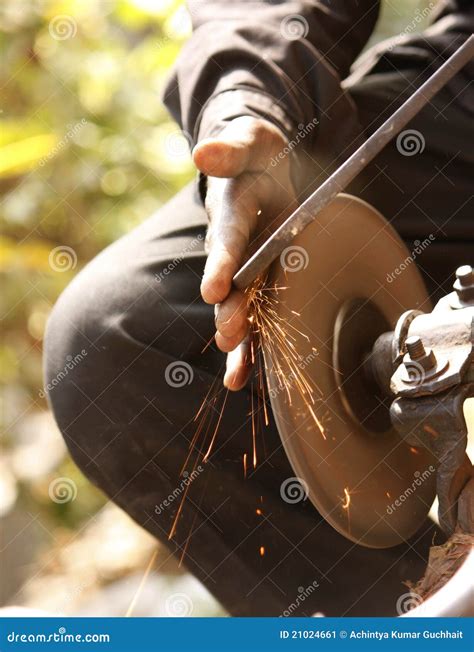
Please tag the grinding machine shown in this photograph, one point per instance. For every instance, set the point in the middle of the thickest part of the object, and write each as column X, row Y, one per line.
column 393, row 372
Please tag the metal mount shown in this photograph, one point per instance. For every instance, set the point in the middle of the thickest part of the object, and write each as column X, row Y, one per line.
column 432, row 374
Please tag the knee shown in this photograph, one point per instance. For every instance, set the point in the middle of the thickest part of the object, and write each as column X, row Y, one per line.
column 76, row 333
column 113, row 322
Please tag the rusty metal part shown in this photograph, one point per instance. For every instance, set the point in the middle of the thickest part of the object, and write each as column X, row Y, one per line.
column 363, row 481
column 454, row 597
column 466, row 506
column 420, row 364
column 401, row 333
column 437, row 423
column 448, row 333
column 378, row 364
column 340, row 179
column 463, row 295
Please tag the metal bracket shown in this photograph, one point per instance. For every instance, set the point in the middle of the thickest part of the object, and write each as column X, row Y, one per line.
column 438, row 424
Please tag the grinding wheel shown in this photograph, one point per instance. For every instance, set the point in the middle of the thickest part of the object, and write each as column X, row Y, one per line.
column 347, row 288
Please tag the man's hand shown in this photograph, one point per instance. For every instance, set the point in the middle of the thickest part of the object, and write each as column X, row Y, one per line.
column 249, row 191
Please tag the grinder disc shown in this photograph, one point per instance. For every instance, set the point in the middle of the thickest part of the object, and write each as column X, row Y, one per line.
column 347, row 279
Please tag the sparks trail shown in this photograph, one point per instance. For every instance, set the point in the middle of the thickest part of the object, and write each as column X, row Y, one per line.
column 278, row 338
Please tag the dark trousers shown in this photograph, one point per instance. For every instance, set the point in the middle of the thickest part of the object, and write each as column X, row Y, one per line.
column 136, row 309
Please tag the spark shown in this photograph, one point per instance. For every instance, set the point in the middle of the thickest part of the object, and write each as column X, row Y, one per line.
column 347, row 499
column 274, row 334
column 277, row 336
column 414, row 450
column 262, row 551
column 258, row 512
column 135, row 598
column 254, row 433
column 431, row 431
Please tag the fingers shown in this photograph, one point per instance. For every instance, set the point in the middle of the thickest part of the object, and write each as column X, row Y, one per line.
column 231, row 323
column 232, row 206
column 238, row 367
column 231, row 316
column 246, row 144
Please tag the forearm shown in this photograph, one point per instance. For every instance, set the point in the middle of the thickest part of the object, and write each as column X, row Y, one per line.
column 243, row 59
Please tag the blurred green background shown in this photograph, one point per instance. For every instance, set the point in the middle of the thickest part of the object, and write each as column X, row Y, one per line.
column 87, row 152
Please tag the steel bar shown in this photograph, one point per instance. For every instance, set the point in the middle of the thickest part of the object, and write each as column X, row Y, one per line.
column 340, row 179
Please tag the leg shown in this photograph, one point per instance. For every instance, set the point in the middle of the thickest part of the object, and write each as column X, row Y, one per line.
column 129, row 431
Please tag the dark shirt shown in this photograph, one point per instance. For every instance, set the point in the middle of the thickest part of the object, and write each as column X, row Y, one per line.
column 285, row 61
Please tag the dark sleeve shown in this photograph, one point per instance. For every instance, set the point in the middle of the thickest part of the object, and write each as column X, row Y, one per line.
column 283, row 61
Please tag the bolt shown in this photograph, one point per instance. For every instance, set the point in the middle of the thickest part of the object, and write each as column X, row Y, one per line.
column 464, row 286
column 415, row 347
column 465, row 275
column 416, row 353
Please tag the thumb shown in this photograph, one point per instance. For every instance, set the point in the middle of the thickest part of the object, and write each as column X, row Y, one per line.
column 224, row 156
column 245, row 144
